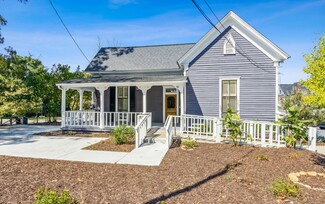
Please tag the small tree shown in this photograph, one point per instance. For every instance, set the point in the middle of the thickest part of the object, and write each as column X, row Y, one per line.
column 233, row 124
column 294, row 128
column 315, row 68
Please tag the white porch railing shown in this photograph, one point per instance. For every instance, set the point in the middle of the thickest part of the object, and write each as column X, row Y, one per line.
column 213, row 129
column 141, row 129
column 170, row 129
column 86, row 119
column 81, row 118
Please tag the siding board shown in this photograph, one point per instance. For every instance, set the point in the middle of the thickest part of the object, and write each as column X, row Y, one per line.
column 257, row 84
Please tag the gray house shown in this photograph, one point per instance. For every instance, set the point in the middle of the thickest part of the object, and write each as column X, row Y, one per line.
column 231, row 66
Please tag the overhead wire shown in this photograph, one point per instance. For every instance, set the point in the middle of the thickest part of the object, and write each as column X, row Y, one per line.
column 241, row 51
column 66, row 28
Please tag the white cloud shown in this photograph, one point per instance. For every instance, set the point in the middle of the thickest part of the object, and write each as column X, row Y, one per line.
column 117, row 3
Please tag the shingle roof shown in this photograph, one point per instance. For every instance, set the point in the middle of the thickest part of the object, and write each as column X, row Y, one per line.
column 120, row 79
column 288, row 89
column 138, row 58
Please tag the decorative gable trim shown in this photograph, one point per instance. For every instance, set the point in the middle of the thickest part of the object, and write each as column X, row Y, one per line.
column 229, row 46
column 234, row 21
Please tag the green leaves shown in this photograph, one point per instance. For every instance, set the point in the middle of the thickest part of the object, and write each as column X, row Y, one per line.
column 315, row 68
column 233, row 124
column 28, row 88
column 294, row 127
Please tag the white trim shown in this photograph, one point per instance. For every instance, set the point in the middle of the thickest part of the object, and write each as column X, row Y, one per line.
column 220, row 92
column 252, row 35
column 110, row 84
column 116, row 98
column 229, row 39
column 276, row 65
column 164, row 102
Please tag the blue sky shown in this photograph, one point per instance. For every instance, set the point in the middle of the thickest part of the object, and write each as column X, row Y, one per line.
column 294, row 25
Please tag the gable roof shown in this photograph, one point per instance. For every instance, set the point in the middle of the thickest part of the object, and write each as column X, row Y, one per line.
column 144, row 58
column 234, row 21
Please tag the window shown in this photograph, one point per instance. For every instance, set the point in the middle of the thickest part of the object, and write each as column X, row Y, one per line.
column 229, row 45
column 229, row 96
column 122, row 99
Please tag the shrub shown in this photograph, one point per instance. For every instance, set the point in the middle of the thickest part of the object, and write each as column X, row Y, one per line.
column 295, row 127
column 71, row 132
column 190, row 143
column 282, row 189
column 48, row 196
column 123, row 134
column 262, row 157
column 233, row 124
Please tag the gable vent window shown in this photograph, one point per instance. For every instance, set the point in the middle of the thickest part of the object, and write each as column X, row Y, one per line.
column 229, row 47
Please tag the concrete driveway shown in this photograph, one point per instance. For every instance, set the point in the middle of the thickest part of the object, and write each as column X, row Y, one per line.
column 19, row 141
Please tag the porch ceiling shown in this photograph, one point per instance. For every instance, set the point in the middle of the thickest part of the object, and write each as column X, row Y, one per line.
column 124, row 81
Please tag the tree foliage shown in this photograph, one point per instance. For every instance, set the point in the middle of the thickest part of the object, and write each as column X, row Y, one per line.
column 315, row 68
column 311, row 113
column 27, row 88
column 294, row 126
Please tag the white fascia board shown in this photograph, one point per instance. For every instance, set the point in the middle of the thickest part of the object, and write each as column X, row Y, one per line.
column 84, row 85
column 243, row 28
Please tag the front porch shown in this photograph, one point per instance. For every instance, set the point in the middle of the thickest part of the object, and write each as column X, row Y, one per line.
column 123, row 101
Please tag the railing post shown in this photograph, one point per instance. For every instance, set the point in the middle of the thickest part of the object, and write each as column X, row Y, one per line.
column 263, row 126
column 271, row 135
column 251, row 130
column 217, row 130
column 312, row 136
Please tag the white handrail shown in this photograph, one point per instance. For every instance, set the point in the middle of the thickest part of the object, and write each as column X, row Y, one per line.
column 169, row 131
column 141, row 129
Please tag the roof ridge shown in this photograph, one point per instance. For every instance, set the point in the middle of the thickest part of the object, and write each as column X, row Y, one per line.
column 140, row 46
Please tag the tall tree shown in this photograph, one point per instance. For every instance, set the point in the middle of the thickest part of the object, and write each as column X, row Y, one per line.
column 315, row 68
column 21, row 82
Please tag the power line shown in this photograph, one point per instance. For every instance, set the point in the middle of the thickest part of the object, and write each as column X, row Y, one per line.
column 66, row 28
column 241, row 51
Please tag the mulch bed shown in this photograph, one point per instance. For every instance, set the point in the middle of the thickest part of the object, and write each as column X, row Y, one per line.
column 313, row 181
column 108, row 145
column 211, row 173
column 61, row 133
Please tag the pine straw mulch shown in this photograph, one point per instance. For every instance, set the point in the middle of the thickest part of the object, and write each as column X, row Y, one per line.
column 108, row 145
column 211, row 173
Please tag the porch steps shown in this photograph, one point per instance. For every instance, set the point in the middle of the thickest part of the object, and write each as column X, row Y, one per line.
column 151, row 152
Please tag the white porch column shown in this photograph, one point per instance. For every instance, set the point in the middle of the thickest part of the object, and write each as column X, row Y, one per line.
column 102, row 102
column 81, row 94
column 63, row 104
column 182, row 98
column 144, row 90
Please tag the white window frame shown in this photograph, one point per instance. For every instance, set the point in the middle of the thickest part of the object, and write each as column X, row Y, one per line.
column 229, row 39
column 116, row 98
column 220, row 93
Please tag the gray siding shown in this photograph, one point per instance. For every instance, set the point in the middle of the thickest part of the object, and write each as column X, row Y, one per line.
column 257, row 84
column 154, row 103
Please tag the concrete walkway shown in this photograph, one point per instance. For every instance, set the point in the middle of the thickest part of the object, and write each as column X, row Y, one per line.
column 321, row 149
column 19, row 141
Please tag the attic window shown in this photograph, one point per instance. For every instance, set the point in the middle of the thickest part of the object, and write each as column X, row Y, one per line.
column 229, row 45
